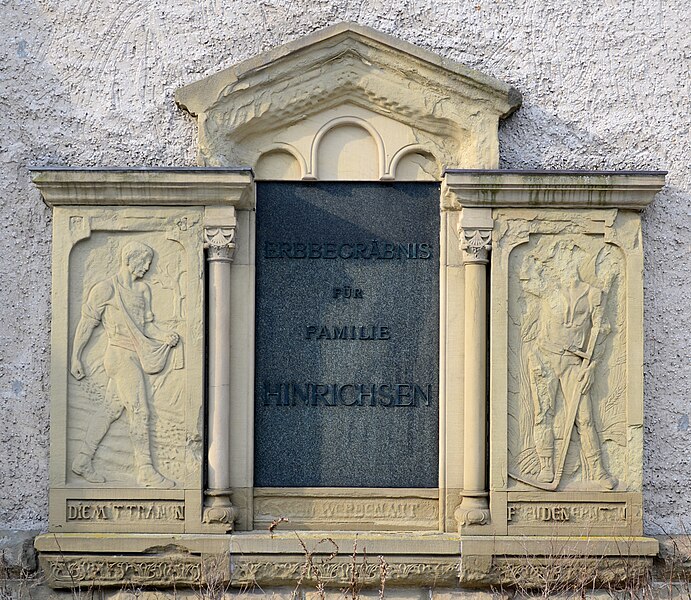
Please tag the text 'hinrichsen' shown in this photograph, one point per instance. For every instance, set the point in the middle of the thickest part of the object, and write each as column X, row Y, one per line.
column 373, row 250
column 346, row 394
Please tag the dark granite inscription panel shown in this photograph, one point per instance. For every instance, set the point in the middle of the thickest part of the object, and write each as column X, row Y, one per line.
column 347, row 340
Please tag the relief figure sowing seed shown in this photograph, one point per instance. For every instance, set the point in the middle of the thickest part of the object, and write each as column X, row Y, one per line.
column 136, row 347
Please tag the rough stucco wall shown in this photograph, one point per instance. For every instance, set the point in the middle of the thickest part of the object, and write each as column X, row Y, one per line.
column 84, row 83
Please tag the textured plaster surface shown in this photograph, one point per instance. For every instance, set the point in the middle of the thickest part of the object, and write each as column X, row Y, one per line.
column 605, row 86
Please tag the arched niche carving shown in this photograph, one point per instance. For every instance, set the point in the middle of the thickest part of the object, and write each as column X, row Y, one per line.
column 280, row 163
column 423, row 113
column 348, row 148
column 415, row 163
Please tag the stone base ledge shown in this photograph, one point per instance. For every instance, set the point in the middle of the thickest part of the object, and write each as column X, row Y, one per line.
column 331, row 558
column 263, row 542
column 656, row 590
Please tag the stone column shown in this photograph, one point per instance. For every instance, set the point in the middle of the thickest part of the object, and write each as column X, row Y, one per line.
column 220, row 244
column 475, row 233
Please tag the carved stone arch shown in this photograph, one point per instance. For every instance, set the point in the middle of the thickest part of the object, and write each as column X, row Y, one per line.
column 408, row 99
column 347, row 122
column 281, row 161
column 416, row 158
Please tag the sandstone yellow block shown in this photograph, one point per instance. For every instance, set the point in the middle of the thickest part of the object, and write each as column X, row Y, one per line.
column 286, row 115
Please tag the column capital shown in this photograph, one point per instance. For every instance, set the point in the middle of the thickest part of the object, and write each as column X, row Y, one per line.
column 220, row 242
column 475, row 244
column 475, row 234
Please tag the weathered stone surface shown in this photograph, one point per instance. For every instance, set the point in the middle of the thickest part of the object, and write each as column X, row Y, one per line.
column 673, row 562
column 389, row 594
column 554, row 575
column 260, row 594
column 320, row 571
column 442, row 594
column 32, row 590
column 17, row 552
column 117, row 572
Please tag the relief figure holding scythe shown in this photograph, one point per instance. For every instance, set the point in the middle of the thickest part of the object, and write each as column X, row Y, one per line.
column 564, row 321
column 136, row 347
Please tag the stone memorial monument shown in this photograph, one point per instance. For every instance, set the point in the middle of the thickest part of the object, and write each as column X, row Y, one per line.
column 345, row 322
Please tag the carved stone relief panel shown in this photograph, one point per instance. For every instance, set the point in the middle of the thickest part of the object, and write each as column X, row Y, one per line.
column 566, row 295
column 128, row 388
column 567, row 339
column 129, row 286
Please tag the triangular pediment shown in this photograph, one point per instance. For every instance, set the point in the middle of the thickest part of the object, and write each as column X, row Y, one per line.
column 379, row 95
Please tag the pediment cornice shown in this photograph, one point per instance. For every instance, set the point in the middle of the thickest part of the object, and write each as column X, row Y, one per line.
column 348, row 65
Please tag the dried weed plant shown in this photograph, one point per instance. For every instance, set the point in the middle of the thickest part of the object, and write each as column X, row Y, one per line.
column 13, row 586
column 322, row 570
column 566, row 574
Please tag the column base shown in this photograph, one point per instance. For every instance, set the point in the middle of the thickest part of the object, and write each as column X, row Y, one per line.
column 219, row 510
column 473, row 510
